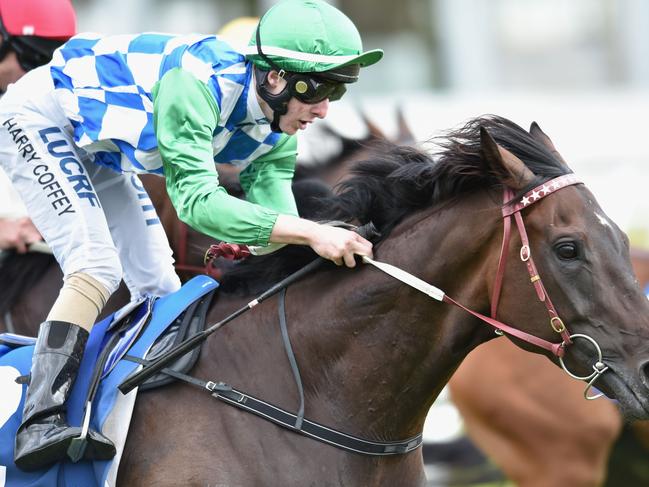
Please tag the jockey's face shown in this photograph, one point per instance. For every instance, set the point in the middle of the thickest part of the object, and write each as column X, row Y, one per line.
column 300, row 115
column 10, row 71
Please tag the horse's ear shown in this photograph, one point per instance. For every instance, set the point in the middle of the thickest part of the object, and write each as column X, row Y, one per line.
column 405, row 135
column 539, row 135
column 374, row 131
column 510, row 169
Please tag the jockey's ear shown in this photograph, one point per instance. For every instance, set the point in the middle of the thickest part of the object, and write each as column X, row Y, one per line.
column 538, row 134
column 510, row 169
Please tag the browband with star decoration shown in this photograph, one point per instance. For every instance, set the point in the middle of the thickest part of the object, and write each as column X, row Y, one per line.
column 541, row 191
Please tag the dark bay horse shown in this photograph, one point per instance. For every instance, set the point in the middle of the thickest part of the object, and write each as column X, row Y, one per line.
column 375, row 353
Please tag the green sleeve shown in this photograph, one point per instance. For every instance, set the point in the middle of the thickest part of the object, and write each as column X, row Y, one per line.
column 267, row 180
column 185, row 115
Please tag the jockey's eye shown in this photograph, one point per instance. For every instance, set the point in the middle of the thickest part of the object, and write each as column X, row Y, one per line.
column 567, row 250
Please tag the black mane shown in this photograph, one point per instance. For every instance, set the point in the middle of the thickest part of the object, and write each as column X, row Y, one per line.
column 399, row 180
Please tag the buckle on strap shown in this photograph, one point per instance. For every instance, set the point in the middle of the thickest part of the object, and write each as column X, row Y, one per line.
column 557, row 324
column 217, row 386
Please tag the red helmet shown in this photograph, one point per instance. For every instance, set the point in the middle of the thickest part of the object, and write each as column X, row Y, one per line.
column 50, row 19
column 33, row 29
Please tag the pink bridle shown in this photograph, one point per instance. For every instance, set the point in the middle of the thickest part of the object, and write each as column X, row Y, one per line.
column 514, row 209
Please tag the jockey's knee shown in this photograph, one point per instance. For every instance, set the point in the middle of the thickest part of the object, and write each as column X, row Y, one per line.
column 107, row 273
column 85, row 293
column 95, row 292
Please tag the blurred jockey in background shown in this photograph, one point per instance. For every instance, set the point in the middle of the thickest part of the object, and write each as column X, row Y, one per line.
column 31, row 30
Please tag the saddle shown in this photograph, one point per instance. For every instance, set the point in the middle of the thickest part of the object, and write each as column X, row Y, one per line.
column 127, row 327
column 117, row 345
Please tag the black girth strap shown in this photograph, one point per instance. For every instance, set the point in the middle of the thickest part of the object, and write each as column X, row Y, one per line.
column 288, row 420
column 291, row 357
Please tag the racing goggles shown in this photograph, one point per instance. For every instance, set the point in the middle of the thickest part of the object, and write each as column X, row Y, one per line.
column 311, row 90
column 31, row 51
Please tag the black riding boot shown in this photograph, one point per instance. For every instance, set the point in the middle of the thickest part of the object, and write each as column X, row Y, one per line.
column 44, row 435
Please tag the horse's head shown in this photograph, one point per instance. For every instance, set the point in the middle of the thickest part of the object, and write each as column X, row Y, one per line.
column 568, row 286
column 584, row 275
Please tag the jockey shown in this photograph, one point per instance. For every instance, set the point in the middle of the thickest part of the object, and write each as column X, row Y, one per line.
column 75, row 133
column 31, row 30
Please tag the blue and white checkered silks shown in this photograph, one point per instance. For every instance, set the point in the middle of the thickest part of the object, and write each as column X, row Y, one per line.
column 104, row 86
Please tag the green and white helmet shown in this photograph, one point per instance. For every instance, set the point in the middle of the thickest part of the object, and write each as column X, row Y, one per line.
column 307, row 37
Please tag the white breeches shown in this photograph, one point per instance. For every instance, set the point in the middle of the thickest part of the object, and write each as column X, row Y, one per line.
column 95, row 220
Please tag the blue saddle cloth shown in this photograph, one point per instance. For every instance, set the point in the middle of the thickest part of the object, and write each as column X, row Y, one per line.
column 111, row 410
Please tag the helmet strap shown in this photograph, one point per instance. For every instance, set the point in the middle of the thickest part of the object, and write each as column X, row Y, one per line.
column 278, row 103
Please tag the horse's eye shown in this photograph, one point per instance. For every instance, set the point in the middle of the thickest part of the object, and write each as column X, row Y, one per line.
column 567, row 250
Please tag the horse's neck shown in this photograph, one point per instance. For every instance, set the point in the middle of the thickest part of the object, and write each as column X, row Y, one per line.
column 399, row 347
column 373, row 353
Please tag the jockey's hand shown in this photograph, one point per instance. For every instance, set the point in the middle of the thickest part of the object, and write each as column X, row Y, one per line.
column 333, row 243
column 17, row 234
column 339, row 245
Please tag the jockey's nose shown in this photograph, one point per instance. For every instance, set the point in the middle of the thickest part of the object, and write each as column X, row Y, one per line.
column 321, row 109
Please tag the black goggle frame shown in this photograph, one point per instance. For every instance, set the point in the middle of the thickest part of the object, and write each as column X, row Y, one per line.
column 28, row 57
column 305, row 87
column 308, row 89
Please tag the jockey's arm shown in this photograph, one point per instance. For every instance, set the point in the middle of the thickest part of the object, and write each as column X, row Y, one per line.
column 185, row 117
column 267, row 180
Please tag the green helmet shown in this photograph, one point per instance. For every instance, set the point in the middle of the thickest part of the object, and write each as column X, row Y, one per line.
column 308, row 36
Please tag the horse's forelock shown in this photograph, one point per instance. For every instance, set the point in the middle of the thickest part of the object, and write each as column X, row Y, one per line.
column 461, row 154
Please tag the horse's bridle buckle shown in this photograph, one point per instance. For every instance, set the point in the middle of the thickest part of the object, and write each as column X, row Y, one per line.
column 557, row 324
